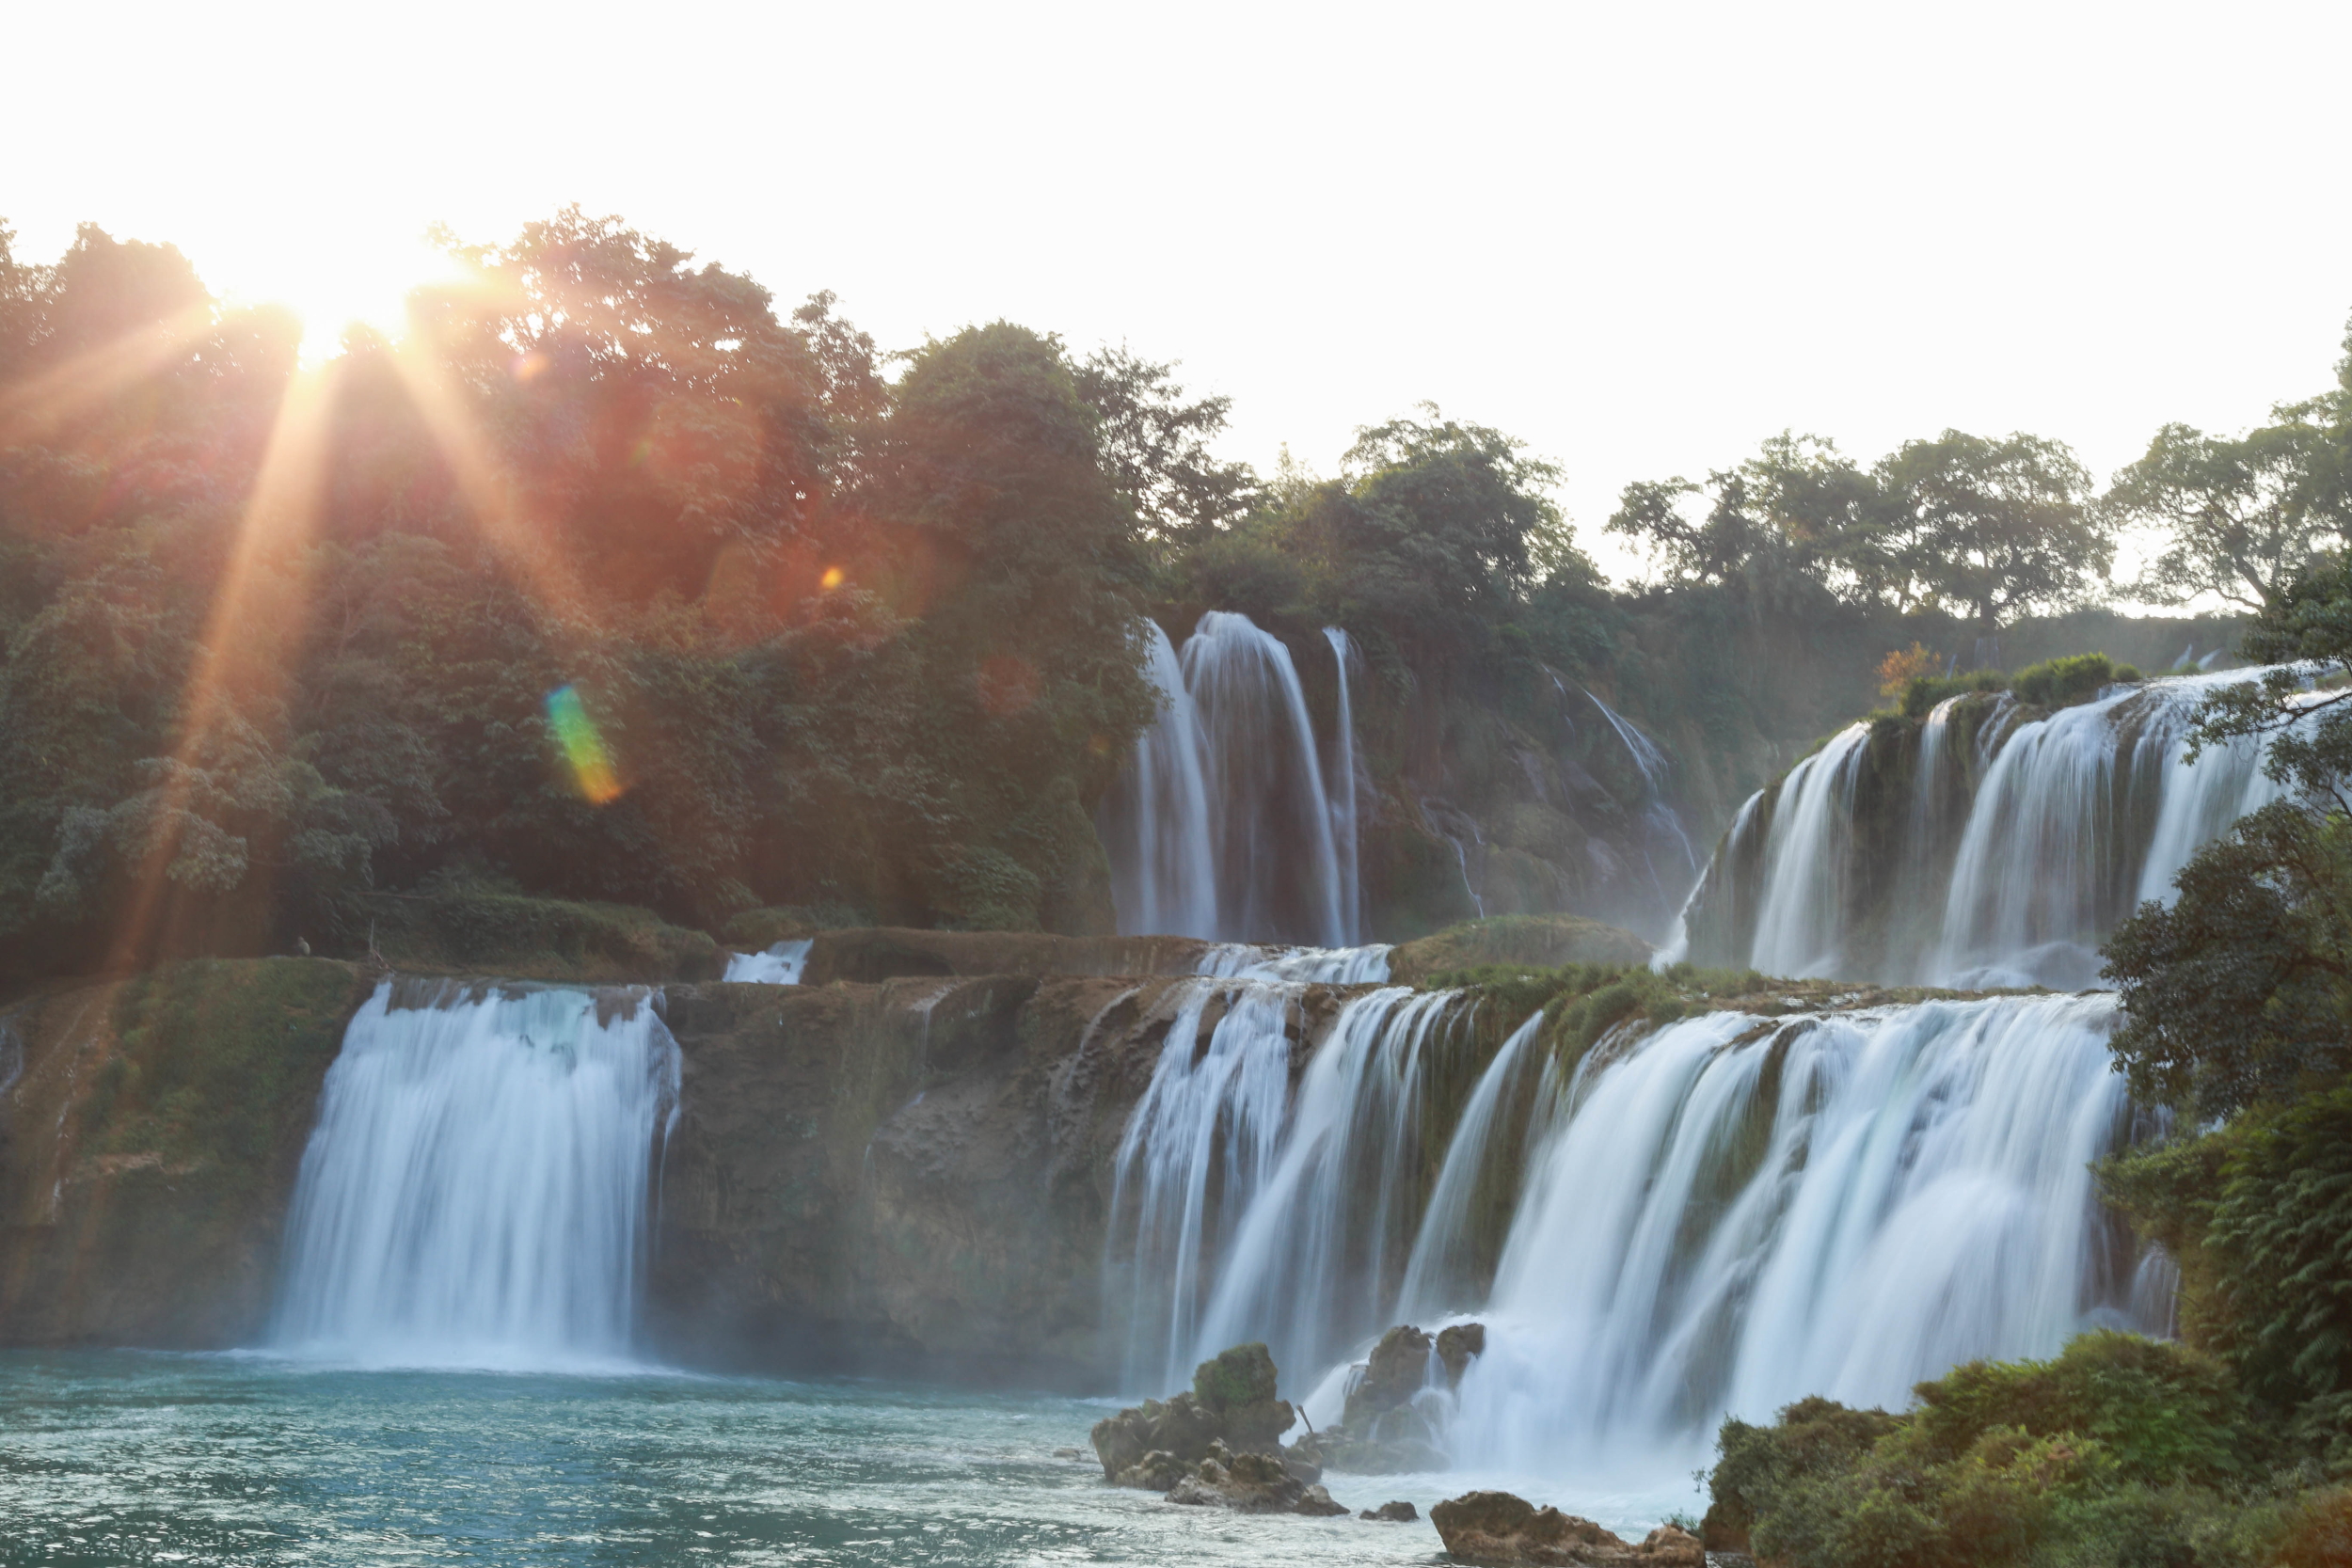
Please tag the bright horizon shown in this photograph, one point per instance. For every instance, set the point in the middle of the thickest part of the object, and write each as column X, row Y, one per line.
column 1641, row 243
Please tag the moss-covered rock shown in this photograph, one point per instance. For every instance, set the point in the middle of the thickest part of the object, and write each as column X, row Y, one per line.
column 471, row 929
column 1539, row 941
column 149, row 1149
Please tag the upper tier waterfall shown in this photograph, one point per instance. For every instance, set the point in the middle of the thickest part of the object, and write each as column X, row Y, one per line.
column 475, row 1191
column 1229, row 822
column 1714, row 1216
column 1998, row 845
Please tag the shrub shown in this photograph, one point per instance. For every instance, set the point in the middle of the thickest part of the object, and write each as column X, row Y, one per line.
column 1897, row 669
column 2063, row 682
column 2164, row 1413
column 1922, row 694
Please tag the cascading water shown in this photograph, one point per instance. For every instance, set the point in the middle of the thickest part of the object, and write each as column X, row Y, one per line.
column 1241, row 1206
column 2004, row 861
column 475, row 1191
column 1196, row 1148
column 1312, row 1267
column 1736, row 1213
column 779, row 965
column 1330, row 966
column 1717, row 1216
column 1224, row 825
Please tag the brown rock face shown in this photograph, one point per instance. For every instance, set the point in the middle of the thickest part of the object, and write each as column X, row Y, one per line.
column 151, row 1130
column 1497, row 1529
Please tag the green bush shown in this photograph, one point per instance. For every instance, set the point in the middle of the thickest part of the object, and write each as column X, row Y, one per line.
column 1245, row 570
column 2063, row 682
column 1923, row 693
column 2162, row 1411
column 2121, row 1451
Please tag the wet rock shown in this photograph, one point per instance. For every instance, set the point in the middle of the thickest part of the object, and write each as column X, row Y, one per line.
column 1385, row 1429
column 1398, row 1369
column 1497, row 1529
column 1456, row 1345
column 1394, row 1513
column 1230, row 1402
column 1250, row 1484
column 1155, row 1471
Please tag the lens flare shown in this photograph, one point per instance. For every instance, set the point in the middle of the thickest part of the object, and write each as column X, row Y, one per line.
column 583, row 748
column 831, row 579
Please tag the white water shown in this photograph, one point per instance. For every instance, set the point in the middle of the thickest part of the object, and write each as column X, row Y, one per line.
column 1805, row 861
column 1197, row 1148
column 1223, row 824
column 2064, row 824
column 1330, row 966
column 1716, row 1217
column 1310, row 1269
column 475, row 1191
column 779, row 965
column 1735, row 1214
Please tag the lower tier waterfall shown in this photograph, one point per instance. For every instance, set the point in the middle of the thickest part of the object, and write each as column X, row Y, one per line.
column 1718, row 1215
column 475, row 1191
column 1735, row 1212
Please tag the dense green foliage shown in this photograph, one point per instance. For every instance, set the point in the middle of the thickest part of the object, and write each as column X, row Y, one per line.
column 2121, row 1451
column 834, row 638
column 611, row 583
column 1991, row 530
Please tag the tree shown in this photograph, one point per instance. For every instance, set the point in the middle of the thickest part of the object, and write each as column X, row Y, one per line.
column 1997, row 527
column 1795, row 511
column 2239, row 518
column 2241, row 990
column 1451, row 514
column 1155, row 447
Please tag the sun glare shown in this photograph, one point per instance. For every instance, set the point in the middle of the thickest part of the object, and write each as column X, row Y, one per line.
column 333, row 290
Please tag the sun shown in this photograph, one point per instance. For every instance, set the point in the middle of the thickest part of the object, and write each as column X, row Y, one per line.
column 332, row 288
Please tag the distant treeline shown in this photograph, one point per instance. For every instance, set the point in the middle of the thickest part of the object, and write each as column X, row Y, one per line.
column 608, row 579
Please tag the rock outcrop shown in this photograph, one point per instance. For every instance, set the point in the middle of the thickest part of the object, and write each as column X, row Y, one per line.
column 1251, row 1484
column 1384, row 1429
column 1391, row 1514
column 1496, row 1529
column 1230, row 1408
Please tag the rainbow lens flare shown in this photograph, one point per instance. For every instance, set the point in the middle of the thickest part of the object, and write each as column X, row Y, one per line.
column 583, row 748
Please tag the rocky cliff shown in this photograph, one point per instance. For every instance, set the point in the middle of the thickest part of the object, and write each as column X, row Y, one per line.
column 910, row 1171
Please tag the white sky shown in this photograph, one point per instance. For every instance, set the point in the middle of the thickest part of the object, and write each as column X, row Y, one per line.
column 1640, row 237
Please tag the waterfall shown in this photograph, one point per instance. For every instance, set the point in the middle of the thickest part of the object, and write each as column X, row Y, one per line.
column 1343, row 797
column 1717, row 1215
column 1223, row 825
column 779, row 965
column 2002, row 862
column 1242, row 1208
column 475, row 1191
column 1312, row 1266
column 1797, row 928
column 1155, row 822
column 1196, row 1147
column 1330, row 966
column 1441, row 1275
column 1733, row 1213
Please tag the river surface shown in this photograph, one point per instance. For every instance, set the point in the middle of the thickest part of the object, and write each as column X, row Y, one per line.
column 133, row 1458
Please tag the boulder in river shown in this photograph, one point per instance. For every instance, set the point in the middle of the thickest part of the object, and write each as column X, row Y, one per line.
column 1394, row 1513
column 1384, row 1429
column 1496, row 1529
column 1251, row 1482
column 1231, row 1402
